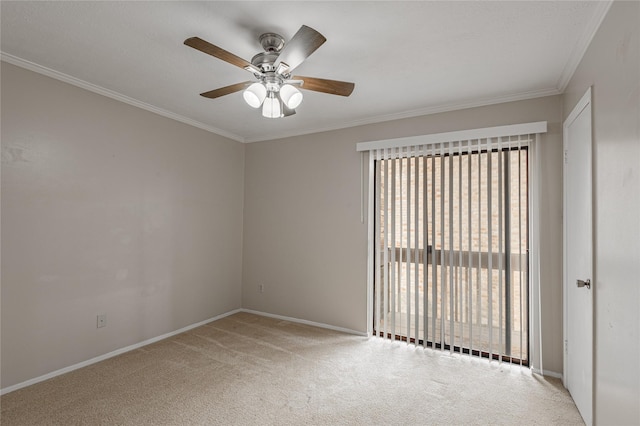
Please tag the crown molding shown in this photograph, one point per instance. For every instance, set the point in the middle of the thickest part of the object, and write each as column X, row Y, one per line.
column 14, row 60
column 580, row 48
column 419, row 112
column 32, row 66
column 569, row 69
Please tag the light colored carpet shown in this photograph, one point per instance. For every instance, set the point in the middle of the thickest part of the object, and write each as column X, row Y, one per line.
column 247, row 369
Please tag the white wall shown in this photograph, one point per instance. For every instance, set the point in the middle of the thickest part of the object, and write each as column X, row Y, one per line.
column 302, row 233
column 107, row 208
column 612, row 66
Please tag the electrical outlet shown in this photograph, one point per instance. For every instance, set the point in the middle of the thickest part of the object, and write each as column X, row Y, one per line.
column 261, row 288
column 102, row 320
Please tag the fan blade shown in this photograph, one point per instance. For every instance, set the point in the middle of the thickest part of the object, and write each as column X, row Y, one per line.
column 215, row 51
column 301, row 45
column 212, row 94
column 333, row 87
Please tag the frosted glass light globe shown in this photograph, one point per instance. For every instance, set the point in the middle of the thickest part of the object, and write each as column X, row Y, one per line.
column 291, row 96
column 271, row 107
column 255, row 94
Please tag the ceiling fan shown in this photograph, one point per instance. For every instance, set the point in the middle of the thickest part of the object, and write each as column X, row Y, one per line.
column 276, row 90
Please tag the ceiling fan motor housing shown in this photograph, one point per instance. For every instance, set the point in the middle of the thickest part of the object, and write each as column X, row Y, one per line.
column 272, row 42
column 265, row 61
column 270, row 78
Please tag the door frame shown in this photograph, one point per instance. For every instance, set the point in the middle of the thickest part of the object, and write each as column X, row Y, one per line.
column 583, row 103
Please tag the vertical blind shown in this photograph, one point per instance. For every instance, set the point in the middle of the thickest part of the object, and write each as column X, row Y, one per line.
column 450, row 243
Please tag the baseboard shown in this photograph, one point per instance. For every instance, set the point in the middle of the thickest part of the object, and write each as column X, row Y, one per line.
column 305, row 322
column 112, row 354
column 547, row 373
column 164, row 336
column 192, row 326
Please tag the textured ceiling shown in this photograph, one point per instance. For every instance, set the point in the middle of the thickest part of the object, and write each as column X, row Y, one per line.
column 406, row 58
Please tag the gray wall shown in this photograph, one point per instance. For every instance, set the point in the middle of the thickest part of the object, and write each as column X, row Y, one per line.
column 107, row 208
column 303, row 239
column 612, row 66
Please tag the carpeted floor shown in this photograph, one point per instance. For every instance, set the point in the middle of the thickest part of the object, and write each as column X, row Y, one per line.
column 247, row 369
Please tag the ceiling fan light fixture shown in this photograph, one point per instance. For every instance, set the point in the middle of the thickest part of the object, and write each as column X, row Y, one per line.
column 275, row 89
column 255, row 94
column 291, row 96
column 271, row 107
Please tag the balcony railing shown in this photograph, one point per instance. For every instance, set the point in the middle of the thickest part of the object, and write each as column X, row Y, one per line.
column 462, row 311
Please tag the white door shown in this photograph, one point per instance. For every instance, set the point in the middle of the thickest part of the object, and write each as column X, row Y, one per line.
column 578, row 260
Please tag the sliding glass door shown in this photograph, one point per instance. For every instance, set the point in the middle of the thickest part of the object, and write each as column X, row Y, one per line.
column 452, row 247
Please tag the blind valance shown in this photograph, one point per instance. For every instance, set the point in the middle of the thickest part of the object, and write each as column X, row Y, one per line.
column 466, row 140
